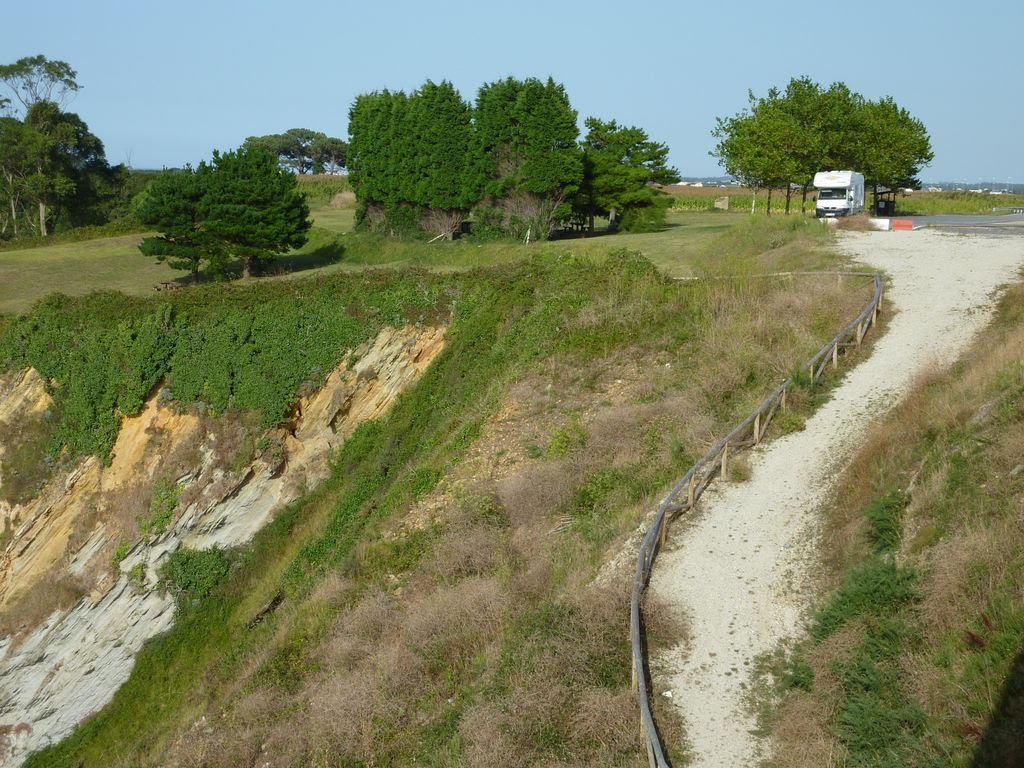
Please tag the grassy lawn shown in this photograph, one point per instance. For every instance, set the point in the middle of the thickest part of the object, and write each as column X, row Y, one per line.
column 114, row 263
column 334, row 219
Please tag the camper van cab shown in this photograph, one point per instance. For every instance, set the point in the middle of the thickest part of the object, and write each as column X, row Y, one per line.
column 840, row 193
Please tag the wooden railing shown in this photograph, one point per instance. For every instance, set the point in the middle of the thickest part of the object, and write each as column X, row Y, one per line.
column 688, row 490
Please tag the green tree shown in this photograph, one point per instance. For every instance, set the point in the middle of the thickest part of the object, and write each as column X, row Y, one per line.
column 620, row 166
column 900, row 146
column 443, row 182
column 64, row 160
column 252, row 207
column 14, row 170
column 382, row 162
column 329, row 154
column 302, row 150
column 525, row 149
column 33, row 79
column 742, row 151
column 53, row 170
column 173, row 205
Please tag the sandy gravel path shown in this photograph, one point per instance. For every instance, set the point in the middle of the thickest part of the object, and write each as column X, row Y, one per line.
column 739, row 570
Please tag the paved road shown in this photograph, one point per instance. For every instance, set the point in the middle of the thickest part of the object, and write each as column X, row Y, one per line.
column 958, row 222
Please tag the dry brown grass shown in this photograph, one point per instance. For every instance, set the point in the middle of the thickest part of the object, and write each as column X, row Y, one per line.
column 858, row 223
column 954, row 444
column 803, row 732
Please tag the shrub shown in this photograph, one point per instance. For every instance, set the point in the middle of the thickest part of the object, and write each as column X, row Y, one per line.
column 161, row 508
column 190, row 575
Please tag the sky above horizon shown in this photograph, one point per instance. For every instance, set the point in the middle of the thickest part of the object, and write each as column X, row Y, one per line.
column 165, row 84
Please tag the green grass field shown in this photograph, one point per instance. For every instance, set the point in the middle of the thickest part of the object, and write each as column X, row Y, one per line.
column 935, row 203
column 114, row 263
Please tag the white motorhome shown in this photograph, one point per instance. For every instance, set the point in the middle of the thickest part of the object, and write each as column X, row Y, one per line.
column 840, row 193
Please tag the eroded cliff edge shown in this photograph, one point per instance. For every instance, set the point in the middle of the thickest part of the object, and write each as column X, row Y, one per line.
column 87, row 546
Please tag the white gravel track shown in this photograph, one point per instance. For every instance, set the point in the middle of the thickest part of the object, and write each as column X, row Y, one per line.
column 739, row 571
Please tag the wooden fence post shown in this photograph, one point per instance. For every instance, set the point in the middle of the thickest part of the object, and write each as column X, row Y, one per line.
column 757, row 429
column 664, row 528
column 835, row 356
column 725, row 462
column 693, row 490
column 782, row 400
column 860, row 333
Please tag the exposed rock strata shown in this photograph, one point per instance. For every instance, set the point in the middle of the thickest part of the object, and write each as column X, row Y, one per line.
column 55, row 674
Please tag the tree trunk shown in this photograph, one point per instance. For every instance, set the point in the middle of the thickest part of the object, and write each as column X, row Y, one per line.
column 768, row 210
column 590, row 225
column 613, row 222
column 753, row 200
column 789, row 194
column 803, row 200
column 42, row 218
column 246, row 267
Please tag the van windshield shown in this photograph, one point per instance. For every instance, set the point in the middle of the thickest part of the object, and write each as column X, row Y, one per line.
column 831, row 194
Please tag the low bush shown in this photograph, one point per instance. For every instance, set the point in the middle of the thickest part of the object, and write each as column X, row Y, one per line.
column 190, row 575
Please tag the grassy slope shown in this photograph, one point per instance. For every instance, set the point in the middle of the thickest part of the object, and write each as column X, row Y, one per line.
column 467, row 634
column 915, row 659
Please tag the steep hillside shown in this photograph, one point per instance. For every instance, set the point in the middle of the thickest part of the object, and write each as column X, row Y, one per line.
column 434, row 600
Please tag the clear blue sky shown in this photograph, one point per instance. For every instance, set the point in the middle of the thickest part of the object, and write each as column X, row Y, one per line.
column 166, row 83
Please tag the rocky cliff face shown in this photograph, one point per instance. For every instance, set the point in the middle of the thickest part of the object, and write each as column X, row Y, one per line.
column 78, row 580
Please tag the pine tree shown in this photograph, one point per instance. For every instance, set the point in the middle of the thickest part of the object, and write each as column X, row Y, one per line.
column 252, row 207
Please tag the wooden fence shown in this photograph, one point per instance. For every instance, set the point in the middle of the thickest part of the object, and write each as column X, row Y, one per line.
column 686, row 492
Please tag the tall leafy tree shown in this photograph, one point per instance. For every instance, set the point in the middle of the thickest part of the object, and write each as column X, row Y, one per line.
column 64, row 160
column 900, row 146
column 803, row 120
column 444, row 183
column 743, row 151
column 383, row 162
column 329, row 154
column 525, row 146
column 52, row 167
column 367, row 153
column 33, row 79
column 14, row 170
column 840, row 131
column 621, row 165
column 252, row 207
